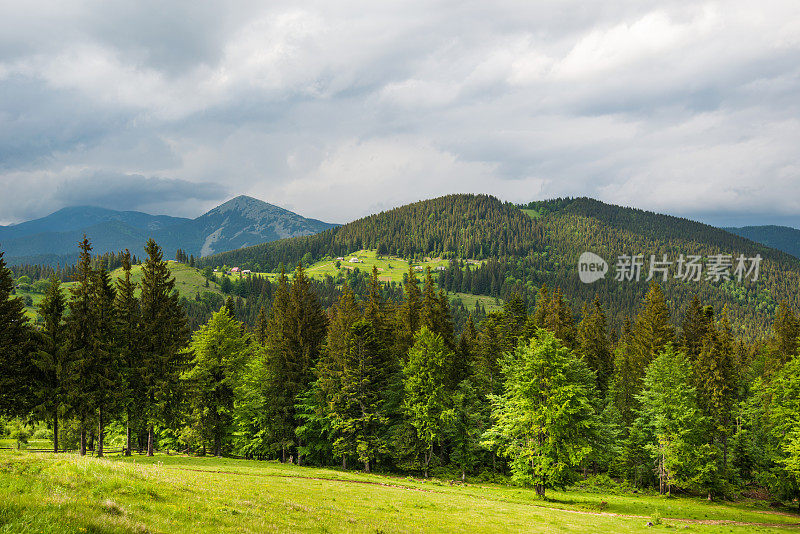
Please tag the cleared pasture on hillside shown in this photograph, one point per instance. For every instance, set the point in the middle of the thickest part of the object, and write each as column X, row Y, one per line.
column 64, row 493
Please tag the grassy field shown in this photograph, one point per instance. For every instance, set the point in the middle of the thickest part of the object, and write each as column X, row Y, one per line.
column 48, row 493
column 390, row 268
column 188, row 281
column 533, row 214
column 489, row 303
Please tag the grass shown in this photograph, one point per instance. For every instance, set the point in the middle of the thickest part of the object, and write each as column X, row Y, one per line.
column 533, row 214
column 489, row 303
column 188, row 281
column 390, row 268
column 64, row 493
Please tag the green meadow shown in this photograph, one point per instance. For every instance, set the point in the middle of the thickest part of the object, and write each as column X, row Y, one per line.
column 188, row 281
column 43, row 492
column 390, row 268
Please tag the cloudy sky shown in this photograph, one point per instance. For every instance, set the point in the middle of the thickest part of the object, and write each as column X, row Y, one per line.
column 340, row 109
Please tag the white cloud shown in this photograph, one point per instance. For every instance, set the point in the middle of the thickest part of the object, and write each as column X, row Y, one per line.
column 672, row 105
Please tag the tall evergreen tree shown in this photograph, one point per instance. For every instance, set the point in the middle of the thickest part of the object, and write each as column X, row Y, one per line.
column 80, row 327
column 105, row 376
column 716, row 378
column 164, row 335
column 408, row 314
column 128, row 317
column 16, row 338
column 297, row 328
column 51, row 356
column 786, row 333
column 593, row 346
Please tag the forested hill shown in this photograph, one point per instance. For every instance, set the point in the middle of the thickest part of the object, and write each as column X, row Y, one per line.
column 525, row 249
column 453, row 226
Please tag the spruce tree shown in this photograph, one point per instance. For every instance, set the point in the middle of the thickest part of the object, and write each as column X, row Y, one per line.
column 408, row 314
column 261, row 326
column 716, row 379
column 80, row 328
column 297, row 328
column 16, row 343
column 593, row 346
column 51, row 357
column 786, row 333
column 698, row 321
column 105, row 375
column 128, row 317
column 164, row 335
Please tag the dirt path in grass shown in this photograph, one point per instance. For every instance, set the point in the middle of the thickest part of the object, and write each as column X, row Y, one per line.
column 567, row 510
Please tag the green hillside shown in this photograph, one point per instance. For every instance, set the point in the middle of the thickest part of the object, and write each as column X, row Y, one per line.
column 521, row 250
column 66, row 493
column 189, row 282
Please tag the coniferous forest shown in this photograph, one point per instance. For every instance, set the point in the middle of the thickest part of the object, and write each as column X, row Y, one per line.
column 657, row 385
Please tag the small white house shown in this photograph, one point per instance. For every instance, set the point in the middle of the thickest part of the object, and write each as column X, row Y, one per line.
column 246, row 271
column 355, row 260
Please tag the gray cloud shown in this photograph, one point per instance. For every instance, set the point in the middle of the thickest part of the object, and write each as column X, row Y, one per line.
column 336, row 110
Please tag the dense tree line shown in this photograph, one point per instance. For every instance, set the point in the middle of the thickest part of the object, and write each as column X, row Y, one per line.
column 378, row 383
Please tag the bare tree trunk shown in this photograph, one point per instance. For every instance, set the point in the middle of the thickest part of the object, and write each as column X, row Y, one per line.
column 344, row 462
column 100, row 432
column 366, row 466
column 55, row 429
column 83, row 442
column 150, row 440
column 91, row 440
column 128, row 432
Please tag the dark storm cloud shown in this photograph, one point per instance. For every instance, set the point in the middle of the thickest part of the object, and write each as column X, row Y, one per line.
column 132, row 191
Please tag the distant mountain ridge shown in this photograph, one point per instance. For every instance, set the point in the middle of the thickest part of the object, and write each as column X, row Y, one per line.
column 783, row 238
column 240, row 222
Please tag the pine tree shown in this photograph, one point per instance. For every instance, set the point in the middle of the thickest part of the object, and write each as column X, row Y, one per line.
column 16, row 343
column 51, row 357
column 105, row 373
column 358, row 406
column 786, row 333
column 128, row 346
column 593, row 346
column 164, row 335
column 261, row 326
column 652, row 330
column 218, row 351
column 542, row 306
column 648, row 336
column 296, row 331
column 80, row 326
column 464, row 426
column 697, row 324
column 408, row 314
column 716, row 378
